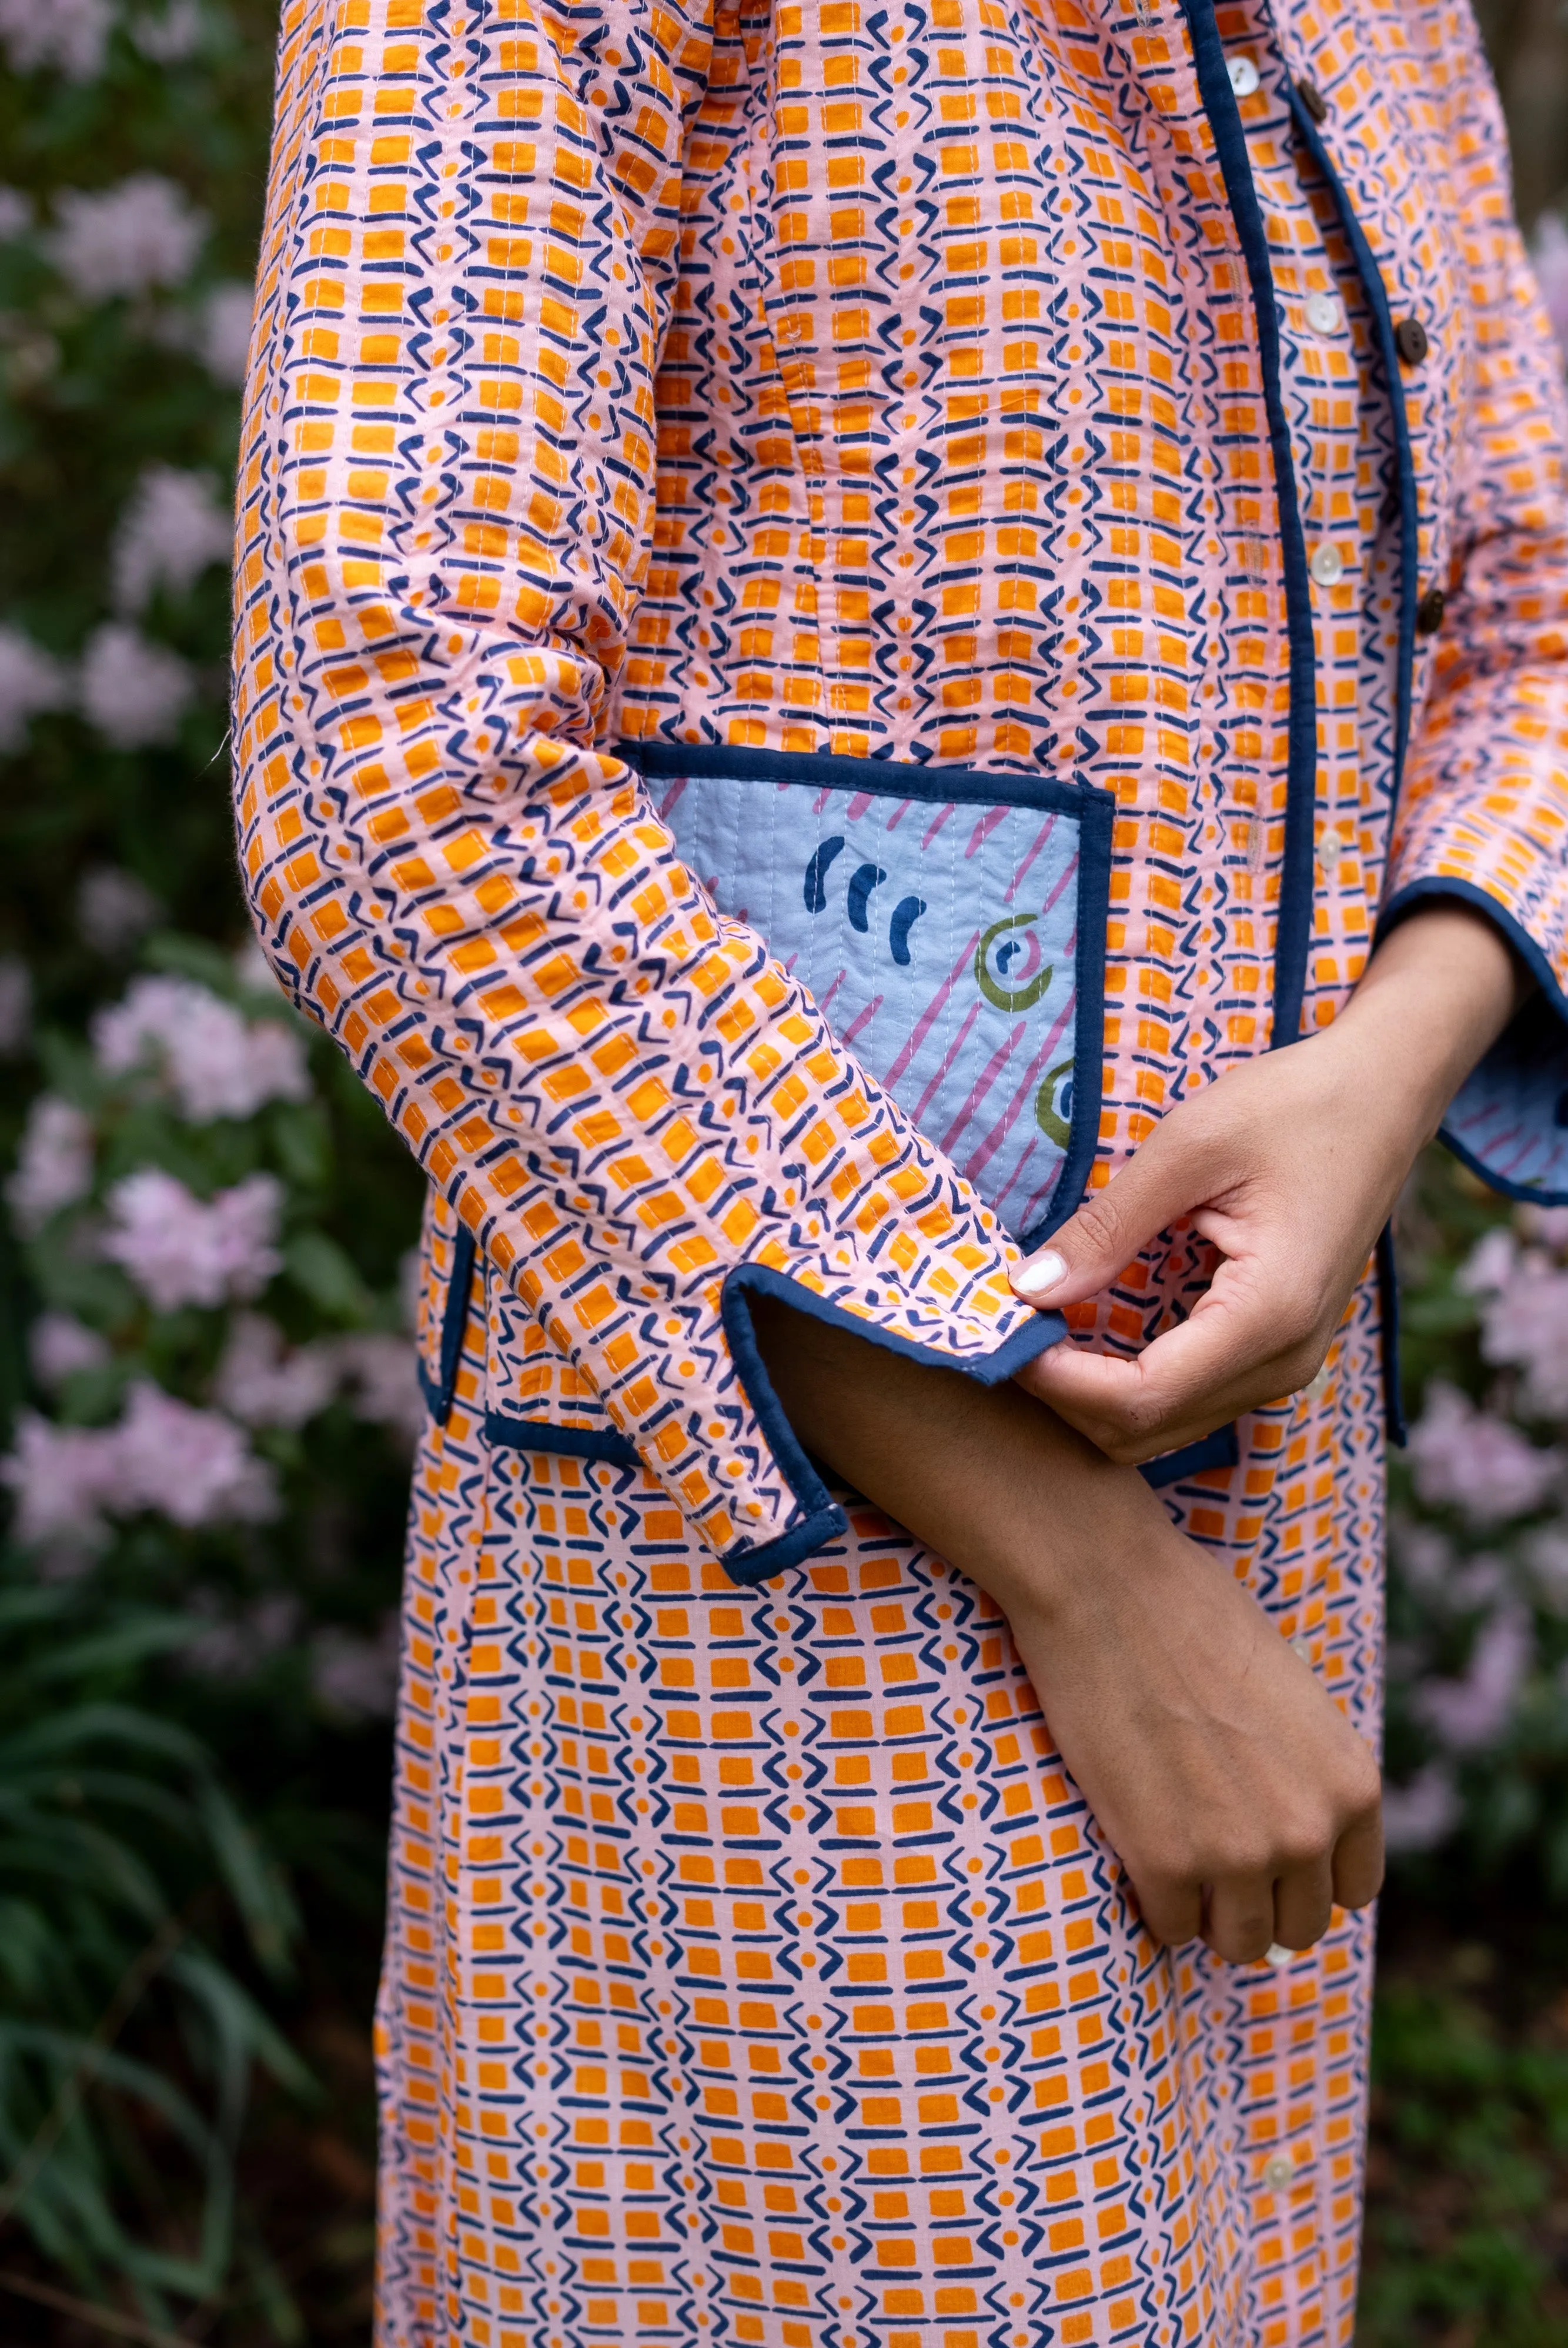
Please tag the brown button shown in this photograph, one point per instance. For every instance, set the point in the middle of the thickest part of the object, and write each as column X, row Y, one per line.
column 1313, row 100
column 1411, row 340
column 1430, row 612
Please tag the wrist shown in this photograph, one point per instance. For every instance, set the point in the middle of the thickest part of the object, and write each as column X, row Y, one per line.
column 1436, row 994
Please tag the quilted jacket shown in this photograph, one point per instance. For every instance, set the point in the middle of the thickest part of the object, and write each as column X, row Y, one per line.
column 837, row 605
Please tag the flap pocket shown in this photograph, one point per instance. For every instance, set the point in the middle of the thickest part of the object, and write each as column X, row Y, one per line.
column 952, row 928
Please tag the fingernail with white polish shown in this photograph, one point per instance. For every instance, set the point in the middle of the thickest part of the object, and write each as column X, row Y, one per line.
column 1041, row 1274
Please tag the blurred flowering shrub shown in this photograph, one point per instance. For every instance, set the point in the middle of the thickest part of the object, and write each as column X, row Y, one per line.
column 206, row 1393
column 1478, row 1605
column 206, row 1474
column 205, row 1353
column 206, row 1388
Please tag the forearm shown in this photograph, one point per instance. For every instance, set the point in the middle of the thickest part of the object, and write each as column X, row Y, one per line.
column 987, row 1478
column 1439, row 992
column 1239, row 1800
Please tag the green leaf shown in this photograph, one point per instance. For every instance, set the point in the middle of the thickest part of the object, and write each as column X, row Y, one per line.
column 323, row 1273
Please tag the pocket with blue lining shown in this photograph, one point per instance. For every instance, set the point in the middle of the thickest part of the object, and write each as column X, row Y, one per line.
column 950, row 927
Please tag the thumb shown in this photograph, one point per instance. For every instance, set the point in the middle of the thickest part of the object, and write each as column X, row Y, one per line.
column 1156, row 1186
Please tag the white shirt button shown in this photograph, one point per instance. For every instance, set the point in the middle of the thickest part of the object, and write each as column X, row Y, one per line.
column 1278, row 1956
column 1243, row 76
column 1277, row 2172
column 1327, row 563
column 1324, row 315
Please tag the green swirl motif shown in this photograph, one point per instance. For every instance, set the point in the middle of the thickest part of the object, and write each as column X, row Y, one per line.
column 1054, row 1126
column 1009, row 998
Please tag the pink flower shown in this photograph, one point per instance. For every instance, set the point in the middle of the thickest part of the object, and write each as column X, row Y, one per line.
column 1465, row 1458
column 125, row 239
column 1423, row 1813
column 191, row 1465
column 1469, row 1713
column 181, row 1250
column 381, row 1375
column 1527, row 1324
column 70, row 35
column 133, row 690
column 1425, row 1555
column 177, row 33
column 168, row 535
column 1490, row 1264
column 262, row 1384
column 223, row 337
column 357, row 1677
column 31, row 680
column 1547, row 1554
column 54, row 1164
column 114, row 909
column 1548, row 1226
column 59, row 1346
column 215, row 1062
column 63, row 1478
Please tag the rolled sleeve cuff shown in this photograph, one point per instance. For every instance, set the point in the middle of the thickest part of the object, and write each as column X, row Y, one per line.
column 1508, row 1121
column 818, row 1518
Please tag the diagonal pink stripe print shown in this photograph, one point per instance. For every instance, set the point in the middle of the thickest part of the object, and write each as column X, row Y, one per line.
column 1022, row 1097
column 1016, row 883
column 1069, row 872
column 980, row 1089
column 862, row 1020
column 823, row 999
column 953, row 1050
column 932, row 1012
column 983, row 830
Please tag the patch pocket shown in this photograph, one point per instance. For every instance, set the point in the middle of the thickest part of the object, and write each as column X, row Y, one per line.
column 952, row 928
column 448, row 1263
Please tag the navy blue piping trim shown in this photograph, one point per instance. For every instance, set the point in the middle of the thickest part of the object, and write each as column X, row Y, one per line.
column 1422, row 892
column 1095, row 811
column 1534, row 957
column 439, row 1391
column 1293, row 932
column 1220, row 1449
column 1377, row 295
column 1389, row 1328
column 677, row 760
column 509, row 1433
column 1528, row 1193
column 824, row 1519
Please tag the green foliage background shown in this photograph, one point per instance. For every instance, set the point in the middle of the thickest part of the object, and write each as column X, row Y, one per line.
column 190, row 1854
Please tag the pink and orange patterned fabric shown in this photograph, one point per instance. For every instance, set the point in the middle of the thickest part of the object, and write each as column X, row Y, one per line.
column 1149, row 400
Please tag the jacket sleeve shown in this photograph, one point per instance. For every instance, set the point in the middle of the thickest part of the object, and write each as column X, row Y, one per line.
column 1484, row 810
column 446, row 504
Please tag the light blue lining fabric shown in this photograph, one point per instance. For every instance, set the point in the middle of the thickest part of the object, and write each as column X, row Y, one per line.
column 952, row 928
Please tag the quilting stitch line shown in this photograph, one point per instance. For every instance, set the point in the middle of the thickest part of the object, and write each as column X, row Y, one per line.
column 1092, row 809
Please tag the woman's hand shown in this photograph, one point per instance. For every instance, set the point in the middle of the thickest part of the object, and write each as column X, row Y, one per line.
column 1239, row 1798
column 1237, row 1794
column 1290, row 1164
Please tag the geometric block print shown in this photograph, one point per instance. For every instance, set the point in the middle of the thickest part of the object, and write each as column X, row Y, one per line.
column 951, row 927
